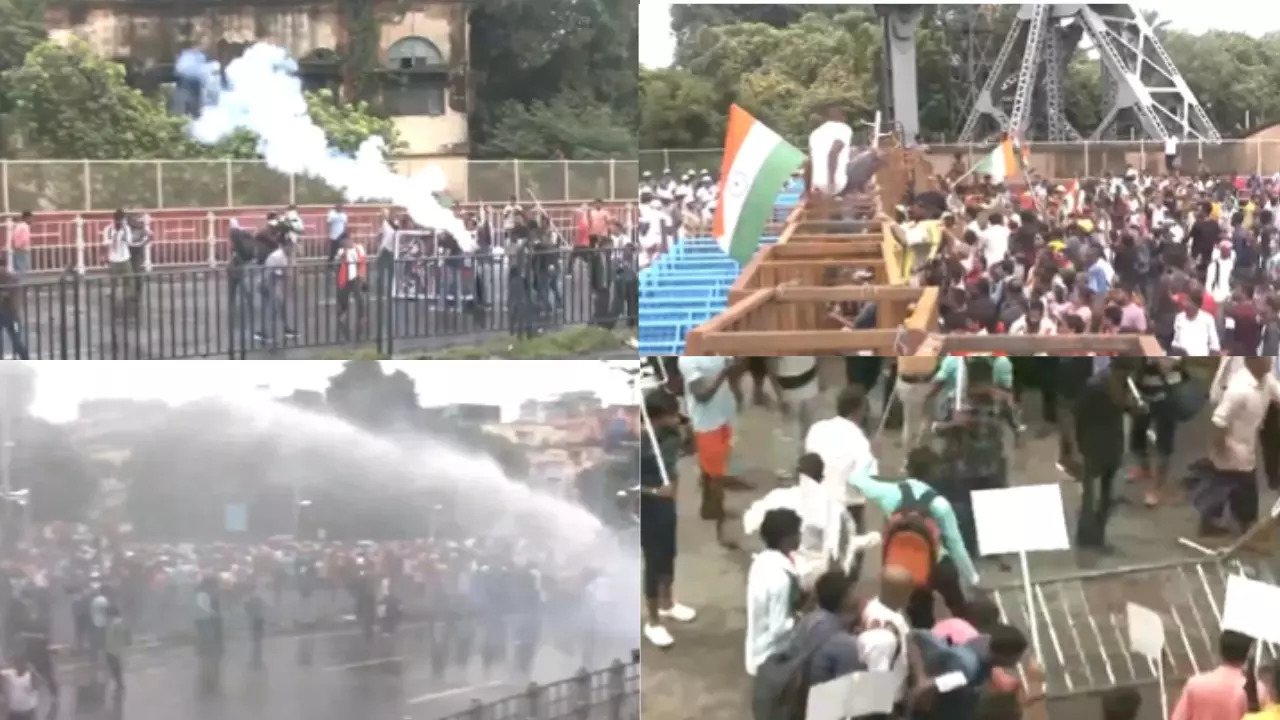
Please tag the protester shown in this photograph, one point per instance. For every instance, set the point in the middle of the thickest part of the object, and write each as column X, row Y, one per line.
column 1218, row 694
column 773, row 588
column 658, row 481
column 712, row 407
column 846, row 454
column 922, row 537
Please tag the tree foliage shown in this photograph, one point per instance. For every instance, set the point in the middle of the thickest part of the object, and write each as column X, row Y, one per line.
column 551, row 78
column 554, row 78
column 70, row 103
column 782, row 62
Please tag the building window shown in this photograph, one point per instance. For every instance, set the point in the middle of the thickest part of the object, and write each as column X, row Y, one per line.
column 414, row 53
column 416, row 95
column 417, row 78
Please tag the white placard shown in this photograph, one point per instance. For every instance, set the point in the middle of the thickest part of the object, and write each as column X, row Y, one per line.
column 827, row 701
column 1029, row 518
column 853, row 695
column 873, row 693
column 1250, row 608
column 1275, row 510
column 1146, row 631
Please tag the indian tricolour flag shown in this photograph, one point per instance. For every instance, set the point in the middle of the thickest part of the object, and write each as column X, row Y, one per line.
column 757, row 163
column 1003, row 161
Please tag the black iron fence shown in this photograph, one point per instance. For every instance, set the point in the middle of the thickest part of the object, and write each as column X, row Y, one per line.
column 426, row 303
column 609, row 694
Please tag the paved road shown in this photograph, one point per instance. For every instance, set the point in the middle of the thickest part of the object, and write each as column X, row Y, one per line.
column 331, row 676
column 702, row 677
column 186, row 314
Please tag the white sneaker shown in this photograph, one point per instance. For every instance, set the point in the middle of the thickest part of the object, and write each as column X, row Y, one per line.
column 679, row 613
column 658, row 635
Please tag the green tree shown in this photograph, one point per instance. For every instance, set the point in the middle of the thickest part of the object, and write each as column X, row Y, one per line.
column 784, row 62
column 70, row 103
column 554, row 77
column 679, row 109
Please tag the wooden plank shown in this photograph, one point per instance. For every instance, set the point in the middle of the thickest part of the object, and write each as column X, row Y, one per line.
column 855, row 248
column 1051, row 344
column 849, row 293
column 892, row 260
column 804, row 342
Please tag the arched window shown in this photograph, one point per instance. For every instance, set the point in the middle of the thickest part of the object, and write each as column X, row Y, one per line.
column 417, row 77
column 414, row 53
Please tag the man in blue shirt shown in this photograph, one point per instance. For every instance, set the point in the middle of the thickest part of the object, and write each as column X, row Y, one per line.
column 712, row 408
column 337, row 223
column 955, row 566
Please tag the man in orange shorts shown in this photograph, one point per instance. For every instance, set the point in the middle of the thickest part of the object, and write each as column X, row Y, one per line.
column 712, row 409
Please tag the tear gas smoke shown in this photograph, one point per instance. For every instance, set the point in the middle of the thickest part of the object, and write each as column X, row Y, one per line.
column 260, row 91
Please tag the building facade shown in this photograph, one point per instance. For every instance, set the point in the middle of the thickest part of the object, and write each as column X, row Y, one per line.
column 422, row 53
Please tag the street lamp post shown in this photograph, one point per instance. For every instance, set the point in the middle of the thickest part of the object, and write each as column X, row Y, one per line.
column 299, row 506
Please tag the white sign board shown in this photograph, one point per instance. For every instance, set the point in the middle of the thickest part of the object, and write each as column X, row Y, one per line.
column 1020, row 519
column 853, row 695
column 1250, row 608
column 1146, row 631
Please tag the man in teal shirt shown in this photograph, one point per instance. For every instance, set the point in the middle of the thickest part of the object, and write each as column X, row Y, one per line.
column 955, row 566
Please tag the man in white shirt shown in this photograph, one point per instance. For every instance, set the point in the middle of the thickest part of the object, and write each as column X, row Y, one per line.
column 275, row 293
column 773, row 588
column 829, row 148
column 712, row 408
column 845, row 452
column 1250, row 390
column 1195, row 332
column 388, row 238
column 1171, row 154
column 797, row 381
column 117, row 238
column 1033, row 322
column 883, row 641
column 337, row 222
column 994, row 240
column 21, row 688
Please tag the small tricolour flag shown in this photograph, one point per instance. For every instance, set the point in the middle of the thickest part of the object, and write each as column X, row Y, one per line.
column 757, row 163
column 1003, row 161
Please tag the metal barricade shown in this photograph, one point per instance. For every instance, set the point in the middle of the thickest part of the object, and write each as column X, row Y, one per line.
column 609, row 694
column 1083, row 626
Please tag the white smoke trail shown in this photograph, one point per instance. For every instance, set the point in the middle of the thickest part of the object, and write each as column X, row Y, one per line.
column 261, row 93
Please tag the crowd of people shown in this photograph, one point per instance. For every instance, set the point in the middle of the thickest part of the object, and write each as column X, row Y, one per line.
column 813, row 610
column 1191, row 259
column 517, row 259
column 79, row 593
column 674, row 207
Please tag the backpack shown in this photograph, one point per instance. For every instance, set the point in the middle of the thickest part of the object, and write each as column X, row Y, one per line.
column 911, row 536
column 780, row 690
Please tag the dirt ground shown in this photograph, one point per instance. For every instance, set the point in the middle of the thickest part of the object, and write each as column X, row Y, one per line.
column 702, row 676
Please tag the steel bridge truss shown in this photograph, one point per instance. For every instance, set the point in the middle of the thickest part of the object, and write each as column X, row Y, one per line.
column 1025, row 96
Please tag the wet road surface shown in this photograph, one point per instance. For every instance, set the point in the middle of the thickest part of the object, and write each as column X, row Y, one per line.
column 702, row 676
column 326, row 676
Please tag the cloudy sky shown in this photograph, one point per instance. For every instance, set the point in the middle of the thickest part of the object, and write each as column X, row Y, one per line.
column 1256, row 18
column 61, row 386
